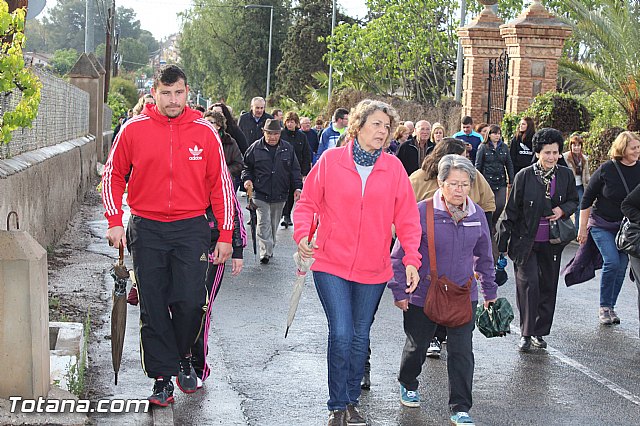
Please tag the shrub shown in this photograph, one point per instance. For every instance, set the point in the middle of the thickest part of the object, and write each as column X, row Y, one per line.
column 606, row 113
column 509, row 125
column 564, row 112
column 118, row 105
column 597, row 144
column 126, row 88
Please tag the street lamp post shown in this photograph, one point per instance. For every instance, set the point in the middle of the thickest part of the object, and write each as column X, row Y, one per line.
column 333, row 26
column 258, row 6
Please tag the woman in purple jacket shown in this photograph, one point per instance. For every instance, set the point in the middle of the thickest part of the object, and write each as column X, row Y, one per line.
column 463, row 246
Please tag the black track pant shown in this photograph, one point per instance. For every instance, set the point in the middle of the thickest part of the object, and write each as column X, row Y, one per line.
column 170, row 262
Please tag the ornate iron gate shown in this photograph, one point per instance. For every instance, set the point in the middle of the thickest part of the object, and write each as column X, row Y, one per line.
column 497, row 88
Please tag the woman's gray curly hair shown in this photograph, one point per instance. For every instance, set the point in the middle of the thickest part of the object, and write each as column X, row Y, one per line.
column 359, row 114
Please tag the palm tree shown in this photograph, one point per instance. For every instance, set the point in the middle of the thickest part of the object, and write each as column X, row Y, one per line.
column 609, row 38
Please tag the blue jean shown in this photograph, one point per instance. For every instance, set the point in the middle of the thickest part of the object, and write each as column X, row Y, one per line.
column 580, row 189
column 614, row 266
column 349, row 307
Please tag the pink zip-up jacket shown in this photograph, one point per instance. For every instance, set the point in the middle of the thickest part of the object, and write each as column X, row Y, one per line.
column 354, row 235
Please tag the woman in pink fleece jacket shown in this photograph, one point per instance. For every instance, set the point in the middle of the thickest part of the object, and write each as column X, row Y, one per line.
column 358, row 193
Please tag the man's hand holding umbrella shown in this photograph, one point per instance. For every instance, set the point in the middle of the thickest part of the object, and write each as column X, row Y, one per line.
column 117, row 236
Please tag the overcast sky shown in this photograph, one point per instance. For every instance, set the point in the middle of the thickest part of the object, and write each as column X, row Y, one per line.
column 160, row 16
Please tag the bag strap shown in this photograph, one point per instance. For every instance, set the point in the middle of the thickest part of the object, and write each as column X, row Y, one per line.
column 431, row 239
column 624, row 181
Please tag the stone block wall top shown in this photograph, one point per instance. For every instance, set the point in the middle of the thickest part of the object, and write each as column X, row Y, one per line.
column 98, row 66
column 84, row 68
column 536, row 17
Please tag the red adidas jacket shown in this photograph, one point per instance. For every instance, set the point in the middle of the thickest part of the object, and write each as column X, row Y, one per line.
column 178, row 170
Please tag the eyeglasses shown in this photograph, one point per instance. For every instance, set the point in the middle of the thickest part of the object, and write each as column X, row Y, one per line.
column 458, row 185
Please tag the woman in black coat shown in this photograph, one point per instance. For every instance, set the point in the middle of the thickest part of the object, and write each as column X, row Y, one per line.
column 631, row 209
column 494, row 162
column 232, row 126
column 541, row 193
column 295, row 137
column 521, row 146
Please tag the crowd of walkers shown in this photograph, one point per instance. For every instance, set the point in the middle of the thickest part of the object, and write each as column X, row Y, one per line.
column 399, row 205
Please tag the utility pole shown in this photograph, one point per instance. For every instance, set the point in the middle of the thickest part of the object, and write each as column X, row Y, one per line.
column 333, row 26
column 460, row 59
column 111, row 13
column 89, row 37
column 117, row 57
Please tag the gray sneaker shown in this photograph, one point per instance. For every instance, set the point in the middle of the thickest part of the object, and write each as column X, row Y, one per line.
column 614, row 317
column 605, row 316
column 187, row 379
column 353, row 417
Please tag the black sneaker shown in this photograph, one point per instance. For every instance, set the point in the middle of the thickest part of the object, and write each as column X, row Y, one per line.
column 525, row 344
column 538, row 342
column 187, row 379
column 354, row 418
column 162, row 393
column 264, row 260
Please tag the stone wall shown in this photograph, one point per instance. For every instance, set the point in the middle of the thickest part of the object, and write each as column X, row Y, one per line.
column 45, row 186
column 62, row 116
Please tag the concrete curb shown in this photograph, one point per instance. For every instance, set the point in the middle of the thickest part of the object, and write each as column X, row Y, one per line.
column 162, row 416
column 66, row 350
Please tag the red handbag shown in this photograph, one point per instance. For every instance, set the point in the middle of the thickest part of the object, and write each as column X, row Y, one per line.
column 447, row 303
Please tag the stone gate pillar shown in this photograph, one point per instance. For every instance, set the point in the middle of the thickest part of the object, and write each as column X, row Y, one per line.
column 101, row 144
column 480, row 42
column 85, row 76
column 534, row 43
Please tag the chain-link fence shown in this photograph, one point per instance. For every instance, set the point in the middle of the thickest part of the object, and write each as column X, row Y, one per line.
column 63, row 115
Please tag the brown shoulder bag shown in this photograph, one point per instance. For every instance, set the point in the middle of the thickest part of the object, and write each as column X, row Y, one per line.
column 447, row 303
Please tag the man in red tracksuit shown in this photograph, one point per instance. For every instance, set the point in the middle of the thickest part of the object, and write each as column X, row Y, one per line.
column 177, row 170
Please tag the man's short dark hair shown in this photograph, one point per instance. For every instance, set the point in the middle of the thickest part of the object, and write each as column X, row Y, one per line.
column 276, row 112
column 339, row 113
column 466, row 120
column 168, row 75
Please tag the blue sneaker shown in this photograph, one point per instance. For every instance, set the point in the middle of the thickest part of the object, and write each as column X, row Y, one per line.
column 409, row 398
column 462, row 418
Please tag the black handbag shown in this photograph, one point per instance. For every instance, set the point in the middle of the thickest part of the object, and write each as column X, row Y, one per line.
column 628, row 236
column 562, row 231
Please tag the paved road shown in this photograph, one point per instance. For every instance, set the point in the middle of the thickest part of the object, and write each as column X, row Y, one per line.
column 588, row 376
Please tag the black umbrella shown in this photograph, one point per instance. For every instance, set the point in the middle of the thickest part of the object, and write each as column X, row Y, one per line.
column 120, row 276
column 251, row 206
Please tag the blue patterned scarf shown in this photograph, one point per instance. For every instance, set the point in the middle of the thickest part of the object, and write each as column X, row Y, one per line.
column 364, row 158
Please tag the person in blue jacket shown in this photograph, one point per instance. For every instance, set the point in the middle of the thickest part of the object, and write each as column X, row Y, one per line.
column 472, row 138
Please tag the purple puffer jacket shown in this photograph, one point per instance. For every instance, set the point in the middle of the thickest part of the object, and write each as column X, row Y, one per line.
column 461, row 250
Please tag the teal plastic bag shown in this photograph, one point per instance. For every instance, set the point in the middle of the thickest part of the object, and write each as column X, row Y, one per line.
column 495, row 320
